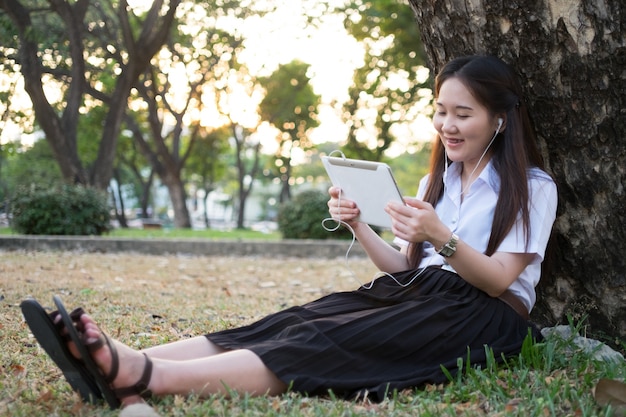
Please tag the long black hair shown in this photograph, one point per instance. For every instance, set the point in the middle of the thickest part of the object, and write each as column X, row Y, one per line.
column 495, row 85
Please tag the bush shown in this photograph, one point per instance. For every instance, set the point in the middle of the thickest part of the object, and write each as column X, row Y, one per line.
column 64, row 210
column 301, row 218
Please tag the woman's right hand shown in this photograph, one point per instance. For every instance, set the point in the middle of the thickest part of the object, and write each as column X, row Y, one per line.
column 341, row 208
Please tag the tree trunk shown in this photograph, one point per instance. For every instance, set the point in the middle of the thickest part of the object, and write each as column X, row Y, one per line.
column 205, row 211
column 240, row 137
column 178, row 197
column 146, row 188
column 118, row 198
column 571, row 58
column 166, row 165
column 62, row 140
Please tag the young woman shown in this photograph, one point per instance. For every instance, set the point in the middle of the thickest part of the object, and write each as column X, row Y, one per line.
column 472, row 243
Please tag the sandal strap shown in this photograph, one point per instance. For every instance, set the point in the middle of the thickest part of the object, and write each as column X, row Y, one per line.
column 75, row 316
column 59, row 325
column 115, row 361
column 141, row 387
column 56, row 319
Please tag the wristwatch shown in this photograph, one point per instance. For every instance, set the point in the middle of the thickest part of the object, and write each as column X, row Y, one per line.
column 449, row 247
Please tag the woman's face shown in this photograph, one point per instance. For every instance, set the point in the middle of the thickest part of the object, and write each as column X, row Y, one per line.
column 465, row 126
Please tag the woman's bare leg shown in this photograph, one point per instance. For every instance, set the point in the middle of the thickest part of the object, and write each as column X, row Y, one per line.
column 194, row 348
column 239, row 370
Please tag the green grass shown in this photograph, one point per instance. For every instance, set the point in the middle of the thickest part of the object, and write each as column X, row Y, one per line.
column 146, row 300
column 173, row 233
column 542, row 381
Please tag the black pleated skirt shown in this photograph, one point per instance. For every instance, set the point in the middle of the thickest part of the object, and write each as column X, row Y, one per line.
column 374, row 341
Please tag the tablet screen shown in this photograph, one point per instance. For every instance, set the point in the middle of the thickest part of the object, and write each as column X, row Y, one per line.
column 369, row 184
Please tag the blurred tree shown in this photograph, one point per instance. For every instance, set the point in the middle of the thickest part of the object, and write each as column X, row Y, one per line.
column 248, row 163
column 237, row 98
column 409, row 168
column 29, row 166
column 291, row 106
column 387, row 90
column 133, row 176
column 206, row 164
column 73, row 44
column 198, row 58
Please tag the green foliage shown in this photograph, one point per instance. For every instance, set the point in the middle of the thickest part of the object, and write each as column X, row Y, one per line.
column 207, row 164
column 23, row 167
column 64, row 210
column 387, row 82
column 290, row 104
column 301, row 217
column 410, row 168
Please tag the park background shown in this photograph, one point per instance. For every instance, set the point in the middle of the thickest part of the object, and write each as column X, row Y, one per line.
column 119, row 93
column 230, row 135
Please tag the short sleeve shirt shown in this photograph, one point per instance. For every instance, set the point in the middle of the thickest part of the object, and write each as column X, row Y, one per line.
column 472, row 219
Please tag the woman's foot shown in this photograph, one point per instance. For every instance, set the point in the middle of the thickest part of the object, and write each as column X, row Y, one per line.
column 127, row 371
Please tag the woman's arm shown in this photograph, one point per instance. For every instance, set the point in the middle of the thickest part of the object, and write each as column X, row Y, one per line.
column 383, row 255
column 418, row 222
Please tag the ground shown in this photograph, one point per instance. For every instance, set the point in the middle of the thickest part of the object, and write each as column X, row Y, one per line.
column 145, row 300
column 178, row 295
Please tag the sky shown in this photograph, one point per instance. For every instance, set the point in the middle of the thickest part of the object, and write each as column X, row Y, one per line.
column 332, row 54
column 282, row 36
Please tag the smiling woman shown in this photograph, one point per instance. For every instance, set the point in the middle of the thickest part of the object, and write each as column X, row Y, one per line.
column 466, row 128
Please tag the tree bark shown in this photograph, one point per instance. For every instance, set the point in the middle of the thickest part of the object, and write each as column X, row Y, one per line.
column 571, row 58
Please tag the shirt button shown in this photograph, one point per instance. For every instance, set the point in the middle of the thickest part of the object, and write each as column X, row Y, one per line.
column 454, row 221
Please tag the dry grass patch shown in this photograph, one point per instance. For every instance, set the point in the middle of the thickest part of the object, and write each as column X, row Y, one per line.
column 142, row 300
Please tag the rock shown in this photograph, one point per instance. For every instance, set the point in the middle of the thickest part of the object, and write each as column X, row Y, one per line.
column 597, row 349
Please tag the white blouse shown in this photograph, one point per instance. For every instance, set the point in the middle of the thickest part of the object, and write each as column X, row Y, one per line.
column 472, row 221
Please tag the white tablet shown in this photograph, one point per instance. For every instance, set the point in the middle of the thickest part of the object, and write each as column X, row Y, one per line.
column 369, row 184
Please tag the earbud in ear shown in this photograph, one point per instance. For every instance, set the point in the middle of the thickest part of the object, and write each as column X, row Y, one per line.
column 500, row 123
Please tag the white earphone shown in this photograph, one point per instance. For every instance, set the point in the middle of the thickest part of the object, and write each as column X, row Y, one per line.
column 500, row 123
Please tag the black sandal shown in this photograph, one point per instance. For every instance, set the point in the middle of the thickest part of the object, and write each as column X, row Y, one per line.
column 53, row 339
column 111, row 395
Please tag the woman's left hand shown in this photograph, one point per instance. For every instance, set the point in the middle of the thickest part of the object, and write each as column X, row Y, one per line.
column 417, row 221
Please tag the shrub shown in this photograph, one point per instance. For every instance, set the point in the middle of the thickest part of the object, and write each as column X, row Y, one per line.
column 63, row 210
column 301, row 218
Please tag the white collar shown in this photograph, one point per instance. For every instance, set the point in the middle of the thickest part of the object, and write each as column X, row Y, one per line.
column 452, row 179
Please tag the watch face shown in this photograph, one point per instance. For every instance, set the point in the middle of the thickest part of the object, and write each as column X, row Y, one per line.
column 450, row 247
column 447, row 251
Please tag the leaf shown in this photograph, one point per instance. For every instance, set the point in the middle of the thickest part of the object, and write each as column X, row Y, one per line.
column 512, row 405
column 18, row 370
column 45, row 397
column 613, row 393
